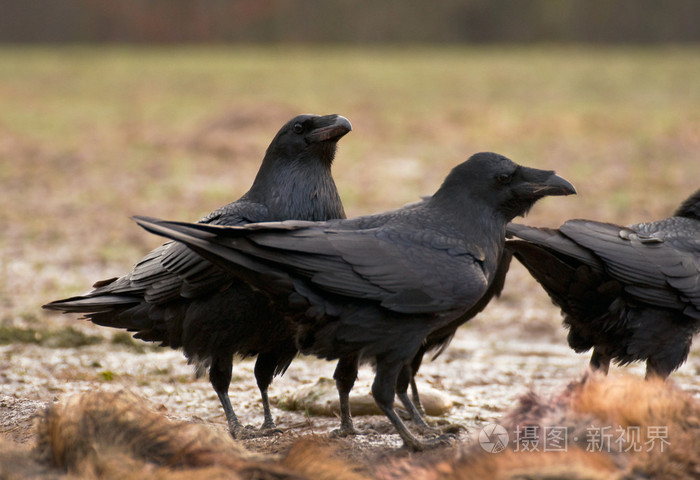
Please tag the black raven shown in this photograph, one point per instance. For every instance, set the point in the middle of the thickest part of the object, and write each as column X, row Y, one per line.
column 630, row 293
column 374, row 287
column 207, row 312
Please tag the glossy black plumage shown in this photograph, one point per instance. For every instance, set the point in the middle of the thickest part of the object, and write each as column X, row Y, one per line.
column 175, row 297
column 373, row 288
column 630, row 293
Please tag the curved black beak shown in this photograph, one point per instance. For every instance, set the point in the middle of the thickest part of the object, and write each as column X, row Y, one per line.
column 535, row 183
column 329, row 127
column 555, row 185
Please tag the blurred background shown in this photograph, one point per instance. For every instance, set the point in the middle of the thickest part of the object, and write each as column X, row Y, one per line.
column 165, row 108
column 350, row 21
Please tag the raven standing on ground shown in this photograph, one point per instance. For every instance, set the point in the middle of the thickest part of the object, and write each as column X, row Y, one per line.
column 207, row 312
column 630, row 293
column 374, row 287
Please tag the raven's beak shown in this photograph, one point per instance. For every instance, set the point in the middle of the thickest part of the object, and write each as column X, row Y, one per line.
column 330, row 127
column 556, row 185
column 537, row 183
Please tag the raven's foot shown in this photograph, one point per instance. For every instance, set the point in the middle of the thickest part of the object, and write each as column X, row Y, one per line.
column 444, row 427
column 416, row 445
column 269, row 432
column 424, row 429
column 344, row 431
column 417, row 416
column 269, row 429
column 241, row 432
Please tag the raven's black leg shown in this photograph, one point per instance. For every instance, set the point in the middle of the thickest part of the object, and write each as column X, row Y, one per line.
column 600, row 361
column 345, row 376
column 220, row 378
column 406, row 375
column 415, row 366
column 384, row 390
column 265, row 366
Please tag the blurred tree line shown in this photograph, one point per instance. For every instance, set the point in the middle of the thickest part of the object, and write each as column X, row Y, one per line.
column 350, row 21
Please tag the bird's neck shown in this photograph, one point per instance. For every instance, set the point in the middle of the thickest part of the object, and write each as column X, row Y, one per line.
column 304, row 190
column 474, row 223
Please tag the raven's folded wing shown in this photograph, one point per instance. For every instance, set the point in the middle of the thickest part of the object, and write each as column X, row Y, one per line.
column 662, row 271
column 423, row 273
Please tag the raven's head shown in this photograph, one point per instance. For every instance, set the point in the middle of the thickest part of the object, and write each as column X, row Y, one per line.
column 308, row 138
column 690, row 208
column 294, row 180
column 503, row 185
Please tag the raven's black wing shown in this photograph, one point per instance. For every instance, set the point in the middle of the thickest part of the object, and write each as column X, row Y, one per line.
column 569, row 273
column 658, row 263
column 417, row 272
column 151, row 281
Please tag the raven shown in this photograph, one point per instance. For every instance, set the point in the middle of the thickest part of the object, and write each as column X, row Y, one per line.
column 207, row 312
column 630, row 293
column 374, row 287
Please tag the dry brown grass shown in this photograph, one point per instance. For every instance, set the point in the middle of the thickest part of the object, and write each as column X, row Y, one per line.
column 118, row 435
column 596, row 403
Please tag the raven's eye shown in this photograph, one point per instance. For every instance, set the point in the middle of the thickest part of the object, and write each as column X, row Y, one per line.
column 298, row 128
column 504, row 178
